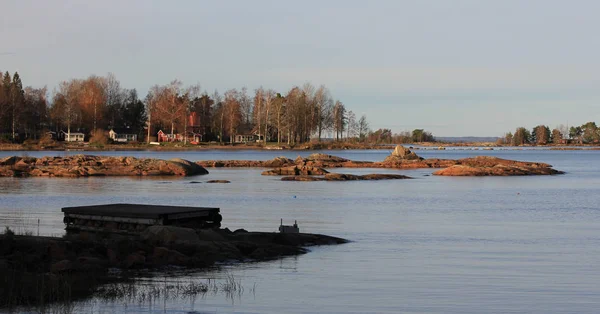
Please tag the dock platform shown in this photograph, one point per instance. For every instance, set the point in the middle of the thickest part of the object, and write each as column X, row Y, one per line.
column 134, row 218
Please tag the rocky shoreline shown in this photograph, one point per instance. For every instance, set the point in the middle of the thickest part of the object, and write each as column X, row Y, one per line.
column 313, row 165
column 36, row 270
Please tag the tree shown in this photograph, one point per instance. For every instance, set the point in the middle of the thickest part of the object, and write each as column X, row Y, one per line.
column 363, row 128
column 278, row 111
column 170, row 107
column 259, row 100
column 541, row 135
column 576, row 133
column 114, row 98
column 245, row 110
column 65, row 103
column 521, row 136
column 134, row 113
column 339, row 119
column 381, row 136
column 232, row 112
column 269, row 99
column 508, row 138
column 5, row 101
column 323, row 110
column 557, row 136
column 17, row 97
column 352, row 125
column 219, row 114
column 35, row 111
column 590, row 132
column 93, row 101
column 203, row 107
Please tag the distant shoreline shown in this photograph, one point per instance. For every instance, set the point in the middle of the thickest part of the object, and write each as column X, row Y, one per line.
column 61, row 146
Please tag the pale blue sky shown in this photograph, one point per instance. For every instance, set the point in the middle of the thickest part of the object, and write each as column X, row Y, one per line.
column 455, row 67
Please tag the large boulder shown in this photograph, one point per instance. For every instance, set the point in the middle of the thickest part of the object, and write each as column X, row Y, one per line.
column 167, row 235
column 189, row 167
column 278, row 162
column 402, row 153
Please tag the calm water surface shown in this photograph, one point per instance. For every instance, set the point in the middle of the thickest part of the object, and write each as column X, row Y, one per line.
column 429, row 245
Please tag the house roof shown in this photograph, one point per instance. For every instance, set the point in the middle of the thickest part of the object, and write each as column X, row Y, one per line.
column 73, row 133
column 122, row 130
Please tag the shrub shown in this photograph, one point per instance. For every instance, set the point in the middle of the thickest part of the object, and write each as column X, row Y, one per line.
column 99, row 138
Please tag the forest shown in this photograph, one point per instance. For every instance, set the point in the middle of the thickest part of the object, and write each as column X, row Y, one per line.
column 587, row 133
column 301, row 114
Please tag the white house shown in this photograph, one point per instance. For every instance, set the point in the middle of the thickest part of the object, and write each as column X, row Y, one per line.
column 73, row 136
column 122, row 135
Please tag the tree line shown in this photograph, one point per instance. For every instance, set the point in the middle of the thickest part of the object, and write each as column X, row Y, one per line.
column 100, row 103
column 586, row 133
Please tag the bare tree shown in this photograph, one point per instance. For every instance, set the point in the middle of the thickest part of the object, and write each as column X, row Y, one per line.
column 352, row 125
column 363, row 127
column 323, row 110
column 233, row 114
column 245, row 109
column 269, row 98
column 66, row 99
column 259, row 99
column 93, row 99
column 219, row 113
column 170, row 107
column 278, row 111
column 339, row 119
column 191, row 92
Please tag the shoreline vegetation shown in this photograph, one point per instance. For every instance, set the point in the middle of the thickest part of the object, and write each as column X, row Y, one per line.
column 62, row 146
column 96, row 110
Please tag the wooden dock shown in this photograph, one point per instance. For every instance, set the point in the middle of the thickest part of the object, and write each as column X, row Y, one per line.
column 134, row 218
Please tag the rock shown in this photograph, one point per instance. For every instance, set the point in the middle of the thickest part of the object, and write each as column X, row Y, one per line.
column 61, row 266
column 165, row 235
column 347, row 177
column 164, row 256
column 325, row 158
column 134, row 260
column 178, row 259
column 403, row 153
column 493, row 166
column 278, row 162
column 56, row 251
column 85, row 165
column 113, row 258
column 218, row 181
column 295, row 171
column 9, row 161
column 87, row 263
column 190, row 167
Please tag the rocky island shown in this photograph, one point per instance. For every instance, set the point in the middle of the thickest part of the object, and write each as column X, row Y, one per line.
column 86, row 166
column 313, row 165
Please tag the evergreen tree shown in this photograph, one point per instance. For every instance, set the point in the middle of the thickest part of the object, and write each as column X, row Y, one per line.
column 16, row 102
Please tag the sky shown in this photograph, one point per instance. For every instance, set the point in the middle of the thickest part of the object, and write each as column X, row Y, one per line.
column 452, row 67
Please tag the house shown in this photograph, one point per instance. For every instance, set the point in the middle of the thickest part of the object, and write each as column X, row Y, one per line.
column 194, row 138
column 164, row 137
column 122, row 135
column 245, row 138
column 73, row 136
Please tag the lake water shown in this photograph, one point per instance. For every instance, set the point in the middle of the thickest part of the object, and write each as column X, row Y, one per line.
column 429, row 245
